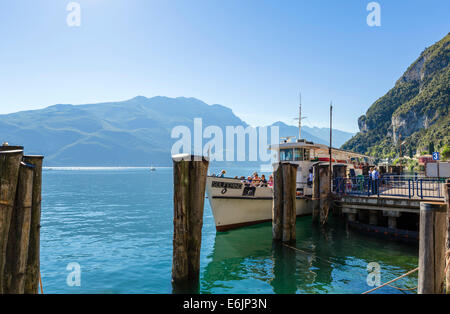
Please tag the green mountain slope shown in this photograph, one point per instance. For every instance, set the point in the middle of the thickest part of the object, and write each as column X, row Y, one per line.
column 414, row 113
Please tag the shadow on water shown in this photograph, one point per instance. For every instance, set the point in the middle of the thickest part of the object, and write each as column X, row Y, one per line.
column 323, row 260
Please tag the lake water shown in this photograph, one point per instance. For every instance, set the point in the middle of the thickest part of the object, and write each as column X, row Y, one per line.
column 117, row 225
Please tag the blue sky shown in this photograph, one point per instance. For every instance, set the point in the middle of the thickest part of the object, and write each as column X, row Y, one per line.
column 253, row 56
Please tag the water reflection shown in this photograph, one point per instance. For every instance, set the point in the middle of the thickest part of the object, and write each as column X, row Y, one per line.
column 323, row 260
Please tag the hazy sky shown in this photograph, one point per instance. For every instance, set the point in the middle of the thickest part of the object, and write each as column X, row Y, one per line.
column 253, row 56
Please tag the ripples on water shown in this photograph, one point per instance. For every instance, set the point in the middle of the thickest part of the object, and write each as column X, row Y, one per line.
column 117, row 224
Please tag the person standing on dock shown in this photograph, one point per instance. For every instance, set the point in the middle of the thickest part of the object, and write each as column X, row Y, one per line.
column 375, row 180
column 310, row 178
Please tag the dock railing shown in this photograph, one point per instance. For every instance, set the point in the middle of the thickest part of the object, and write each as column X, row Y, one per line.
column 408, row 186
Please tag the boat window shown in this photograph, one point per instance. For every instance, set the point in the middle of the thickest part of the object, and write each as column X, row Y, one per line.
column 306, row 155
column 301, row 154
column 286, row 154
column 298, row 154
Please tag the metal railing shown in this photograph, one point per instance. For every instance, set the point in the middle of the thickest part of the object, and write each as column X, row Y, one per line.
column 410, row 186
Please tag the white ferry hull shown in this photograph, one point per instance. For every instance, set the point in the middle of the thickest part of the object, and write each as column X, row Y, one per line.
column 233, row 208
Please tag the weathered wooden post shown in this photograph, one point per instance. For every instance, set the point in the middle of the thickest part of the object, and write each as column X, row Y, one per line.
column 431, row 247
column 289, row 204
column 9, row 173
column 33, row 264
column 324, row 193
column 284, row 213
column 316, row 193
column 277, row 205
column 447, row 241
column 19, row 233
column 189, row 180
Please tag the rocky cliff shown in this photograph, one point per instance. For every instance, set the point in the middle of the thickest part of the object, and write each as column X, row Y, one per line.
column 414, row 113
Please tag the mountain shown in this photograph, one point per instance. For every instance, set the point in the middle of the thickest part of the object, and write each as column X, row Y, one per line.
column 136, row 132
column 414, row 113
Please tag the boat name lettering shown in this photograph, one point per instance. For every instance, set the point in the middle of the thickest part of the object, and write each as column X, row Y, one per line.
column 227, row 185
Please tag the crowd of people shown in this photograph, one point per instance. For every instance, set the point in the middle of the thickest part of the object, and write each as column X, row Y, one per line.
column 253, row 180
column 261, row 181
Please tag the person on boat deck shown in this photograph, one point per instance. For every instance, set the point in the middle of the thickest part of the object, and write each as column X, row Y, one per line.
column 263, row 181
column 222, row 174
column 256, row 179
column 310, row 178
column 270, row 183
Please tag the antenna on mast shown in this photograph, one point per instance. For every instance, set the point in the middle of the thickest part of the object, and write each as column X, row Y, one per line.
column 300, row 118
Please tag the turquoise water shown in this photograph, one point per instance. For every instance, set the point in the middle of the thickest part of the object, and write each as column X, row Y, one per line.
column 117, row 225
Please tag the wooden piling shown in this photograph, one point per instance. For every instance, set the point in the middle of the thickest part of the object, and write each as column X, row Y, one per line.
column 284, row 211
column 9, row 173
column 33, row 263
column 316, row 193
column 277, row 205
column 189, row 178
column 19, row 232
column 446, row 187
column 431, row 248
column 289, row 204
column 324, row 193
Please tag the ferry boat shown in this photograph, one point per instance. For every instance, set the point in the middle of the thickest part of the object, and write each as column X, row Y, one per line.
column 237, row 203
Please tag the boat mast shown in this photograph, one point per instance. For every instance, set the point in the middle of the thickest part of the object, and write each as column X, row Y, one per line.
column 300, row 119
column 330, row 169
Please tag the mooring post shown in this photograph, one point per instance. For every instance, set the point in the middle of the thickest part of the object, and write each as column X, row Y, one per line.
column 316, row 193
column 325, row 192
column 33, row 264
column 189, row 180
column 432, row 247
column 289, row 201
column 277, row 205
column 446, row 189
column 9, row 173
column 19, row 233
column 284, row 213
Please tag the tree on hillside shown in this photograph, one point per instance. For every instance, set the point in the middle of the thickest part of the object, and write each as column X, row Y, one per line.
column 445, row 153
column 431, row 147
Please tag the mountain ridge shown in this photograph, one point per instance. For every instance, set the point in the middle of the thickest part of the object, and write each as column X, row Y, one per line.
column 134, row 132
